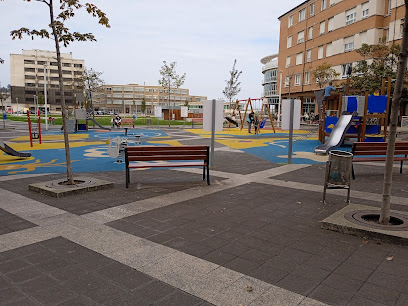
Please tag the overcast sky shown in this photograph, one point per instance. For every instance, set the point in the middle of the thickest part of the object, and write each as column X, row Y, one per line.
column 202, row 36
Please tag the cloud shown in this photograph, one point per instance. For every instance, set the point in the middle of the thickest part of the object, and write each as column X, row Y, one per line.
column 203, row 36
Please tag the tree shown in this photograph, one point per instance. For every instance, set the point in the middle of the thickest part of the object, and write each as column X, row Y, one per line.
column 395, row 105
column 324, row 74
column 143, row 105
column 170, row 79
column 90, row 82
column 186, row 102
column 61, row 34
column 40, row 99
column 368, row 76
column 233, row 86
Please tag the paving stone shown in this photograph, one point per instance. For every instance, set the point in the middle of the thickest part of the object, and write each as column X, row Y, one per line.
column 343, row 283
column 241, row 265
column 78, row 301
column 179, row 298
column 104, row 294
column 53, row 295
column 379, row 294
column 330, row 295
column 133, row 279
column 354, row 271
column 154, row 291
column 234, row 248
column 388, row 281
column 359, row 301
column 268, row 273
column 256, row 256
column 219, row 257
column 68, row 273
column 402, row 300
column 23, row 274
column 10, row 294
column 39, row 283
column 13, row 265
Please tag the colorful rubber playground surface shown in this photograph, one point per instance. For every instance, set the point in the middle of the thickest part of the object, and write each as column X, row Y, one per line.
column 89, row 150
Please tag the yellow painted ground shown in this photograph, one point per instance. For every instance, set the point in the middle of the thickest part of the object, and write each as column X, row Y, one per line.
column 22, row 147
column 239, row 132
column 167, row 142
column 6, row 159
column 247, row 143
column 53, row 137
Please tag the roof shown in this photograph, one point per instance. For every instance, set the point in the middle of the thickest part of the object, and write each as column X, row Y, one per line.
column 268, row 58
column 293, row 9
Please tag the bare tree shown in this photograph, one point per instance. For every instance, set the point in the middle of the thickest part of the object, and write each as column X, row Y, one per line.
column 233, row 86
column 323, row 74
column 395, row 105
column 170, row 79
column 90, row 82
column 60, row 33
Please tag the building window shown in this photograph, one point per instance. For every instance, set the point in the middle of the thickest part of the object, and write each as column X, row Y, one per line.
column 346, row 70
column 308, row 105
column 301, row 37
column 312, row 7
column 302, row 14
column 299, row 58
column 310, row 33
column 78, row 65
column 289, row 42
column 287, row 61
column 329, row 49
column 320, row 52
column 309, row 55
column 297, row 79
column 402, row 27
column 307, row 78
column 322, row 27
column 330, row 24
column 29, row 69
column 349, row 44
column 351, row 17
column 389, row 7
column 365, row 10
column 29, row 62
column 324, row 4
column 290, row 21
column 287, row 80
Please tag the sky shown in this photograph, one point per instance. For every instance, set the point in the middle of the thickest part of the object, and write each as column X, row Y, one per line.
column 202, row 36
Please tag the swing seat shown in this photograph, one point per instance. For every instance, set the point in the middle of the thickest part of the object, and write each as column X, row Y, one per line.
column 262, row 124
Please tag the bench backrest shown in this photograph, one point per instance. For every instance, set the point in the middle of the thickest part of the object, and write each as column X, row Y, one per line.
column 378, row 148
column 151, row 153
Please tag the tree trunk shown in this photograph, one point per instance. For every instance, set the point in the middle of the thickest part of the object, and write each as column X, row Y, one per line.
column 70, row 176
column 395, row 105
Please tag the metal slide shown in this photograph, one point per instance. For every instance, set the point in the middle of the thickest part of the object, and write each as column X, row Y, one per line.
column 97, row 123
column 10, row 151
column 337, row 134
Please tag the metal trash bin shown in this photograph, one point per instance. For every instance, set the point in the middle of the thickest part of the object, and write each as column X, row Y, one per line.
column 338, row 172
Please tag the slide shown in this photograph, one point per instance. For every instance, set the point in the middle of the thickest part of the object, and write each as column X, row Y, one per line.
column 10, row 151
column 337, row 135
column 97, row 123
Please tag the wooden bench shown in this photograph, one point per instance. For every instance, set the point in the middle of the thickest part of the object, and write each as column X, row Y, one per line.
column 379, row 150
column 181, row 156
column 128, row 121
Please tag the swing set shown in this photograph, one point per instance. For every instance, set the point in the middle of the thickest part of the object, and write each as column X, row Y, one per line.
column 261, row 121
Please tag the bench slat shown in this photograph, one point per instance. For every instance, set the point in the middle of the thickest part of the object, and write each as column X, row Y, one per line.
column 161, row 153
column 167, row 157
column 164, row 148
column 368, row 159
column 166, row 165
column 380, row 152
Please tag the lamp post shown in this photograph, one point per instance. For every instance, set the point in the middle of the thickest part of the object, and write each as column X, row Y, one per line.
column 17, row 105
column 280, row 97
column 45, row 97
column 35, row 104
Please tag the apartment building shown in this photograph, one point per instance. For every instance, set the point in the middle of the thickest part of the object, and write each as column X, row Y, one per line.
column 27, row 78
column 329, row 31
column 129, row 98
column 270, row 80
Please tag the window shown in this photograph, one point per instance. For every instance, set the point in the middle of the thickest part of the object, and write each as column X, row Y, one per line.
column 29, row 62
column 351, row 16
column 308, row 106
column 310, row 35
column 346, row 70
column 320, row 52
column 41, row 63
column 387, row 34
column 309, row 55
column 349, row 44
column 66, row 64
column 330, row 24
column 287, row 80
column 402, row 27
column 299, row 58
column 307, row 78
column 289, row 42
column 365, row 10
column 322, row 27
column 29, row 69
column 324, row 4
column 329, row 49
column 312, row 7
column 288, row 62
column 389, row 7
column 297, row 79
column 290, row 21
column 78, row 65
column 301, row 37
column 302, row 14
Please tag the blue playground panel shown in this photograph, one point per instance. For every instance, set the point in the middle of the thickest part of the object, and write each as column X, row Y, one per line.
column 377, row 104
column 351, row 104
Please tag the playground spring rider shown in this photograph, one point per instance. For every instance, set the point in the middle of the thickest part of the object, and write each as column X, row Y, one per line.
column 34, row 134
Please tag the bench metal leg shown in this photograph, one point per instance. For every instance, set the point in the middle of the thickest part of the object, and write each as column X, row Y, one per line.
column 401, row 166
column 127, row 177
column 352, row 172
column 208, row 175
column 203, row 173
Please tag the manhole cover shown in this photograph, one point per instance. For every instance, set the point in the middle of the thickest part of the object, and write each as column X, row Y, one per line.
column 81, row 182
column 369, row 218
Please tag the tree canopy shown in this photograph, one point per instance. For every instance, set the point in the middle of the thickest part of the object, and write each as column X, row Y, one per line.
column 323, row 74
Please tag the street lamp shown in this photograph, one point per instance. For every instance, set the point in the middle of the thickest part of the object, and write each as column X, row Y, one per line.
column 45, row 97
column 280, row 97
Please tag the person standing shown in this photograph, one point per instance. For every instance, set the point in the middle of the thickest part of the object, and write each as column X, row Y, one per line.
column 327, row 90
column 251, row 120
